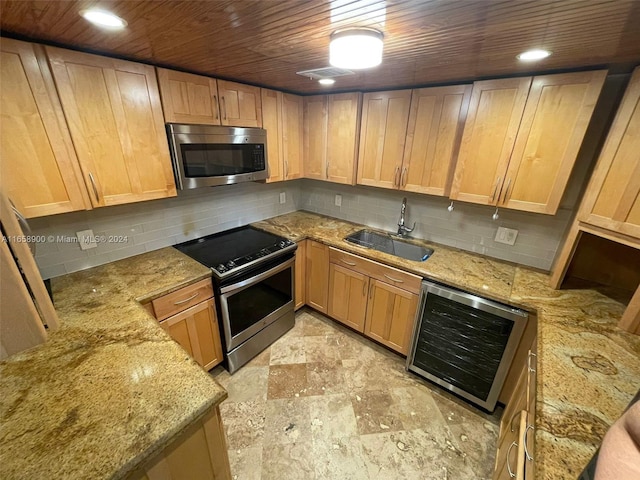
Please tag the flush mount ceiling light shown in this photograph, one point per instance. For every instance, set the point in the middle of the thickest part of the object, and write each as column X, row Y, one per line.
column 104, row 19
column 326, row 81
column 356, row 48
column 532, row 55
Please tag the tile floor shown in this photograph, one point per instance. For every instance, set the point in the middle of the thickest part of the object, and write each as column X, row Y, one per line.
column 325, row 403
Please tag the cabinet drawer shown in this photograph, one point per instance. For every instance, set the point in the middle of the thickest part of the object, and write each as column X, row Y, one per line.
column 389, row 275
column 182, row 299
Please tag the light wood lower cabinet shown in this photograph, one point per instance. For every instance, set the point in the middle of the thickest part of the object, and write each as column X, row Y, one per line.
column 317, row 274
column 196, row 330
column 200, row 453
column 515, row 455
column 348, row 296
column 188, row 315
column 359, row 298
column 300, row 275
column 391, row 313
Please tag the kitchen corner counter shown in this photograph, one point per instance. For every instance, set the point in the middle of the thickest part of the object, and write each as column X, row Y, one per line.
column 588, row 369
column 110, row 388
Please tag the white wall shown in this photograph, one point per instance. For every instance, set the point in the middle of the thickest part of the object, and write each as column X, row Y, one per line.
column 155, row 224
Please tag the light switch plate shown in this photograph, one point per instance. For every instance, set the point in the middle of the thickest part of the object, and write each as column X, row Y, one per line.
column 338, row 200
column 283, row 197
column 506, row 235
column 86, row 239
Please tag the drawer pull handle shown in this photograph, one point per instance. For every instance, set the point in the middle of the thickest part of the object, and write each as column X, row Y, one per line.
column 531, row 354
column 524, row 441
column 364, row 289
column 180, row 302
column 493, row 194
column 93, row 184
column 348, row 263
column 370, row 290
column 215, row 105
column 511, row 474
column 393, row 279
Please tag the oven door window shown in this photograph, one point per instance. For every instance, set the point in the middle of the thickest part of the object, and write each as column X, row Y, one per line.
column 257, row 302
column 213, row 160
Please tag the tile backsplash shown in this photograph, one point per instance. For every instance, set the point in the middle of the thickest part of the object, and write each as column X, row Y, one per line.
column 468, row 227
column 155, row 224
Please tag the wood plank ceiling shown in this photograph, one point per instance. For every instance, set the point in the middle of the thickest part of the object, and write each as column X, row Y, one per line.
column 266, row 42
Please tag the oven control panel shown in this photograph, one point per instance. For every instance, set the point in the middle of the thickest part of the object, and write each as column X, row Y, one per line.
column 239, row 262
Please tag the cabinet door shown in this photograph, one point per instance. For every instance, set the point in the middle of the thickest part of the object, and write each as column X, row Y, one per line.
column 382, row 137
column 347, row 296
column 391, row 314
column 556, row 117
column 115, row 118
column 188, row 98
column 342, row 135
column 239, row 104
column 495, row 111
column 300, row 278
column 196, row 330
column 315, row 137
column 39, row 170
column 317, row 275
column 292, row 135
column 435, row 128
column 272, row 123
column 612, row 200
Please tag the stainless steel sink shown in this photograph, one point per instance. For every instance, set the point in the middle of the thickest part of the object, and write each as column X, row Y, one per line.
column 384, row 242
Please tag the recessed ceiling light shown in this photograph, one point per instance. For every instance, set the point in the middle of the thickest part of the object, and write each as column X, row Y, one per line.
column 531, row 55
column 103, row 18
column 356, row 48
column 326, row 81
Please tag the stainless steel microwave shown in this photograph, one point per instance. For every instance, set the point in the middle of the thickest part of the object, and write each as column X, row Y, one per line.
column 208, row 155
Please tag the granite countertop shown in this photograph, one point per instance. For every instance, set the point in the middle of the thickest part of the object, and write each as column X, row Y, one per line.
column 110, row 388
column 588, row 369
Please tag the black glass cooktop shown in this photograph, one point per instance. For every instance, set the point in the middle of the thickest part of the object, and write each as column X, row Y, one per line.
column 232, row 251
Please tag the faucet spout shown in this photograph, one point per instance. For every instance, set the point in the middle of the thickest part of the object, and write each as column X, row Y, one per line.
column 402, row 228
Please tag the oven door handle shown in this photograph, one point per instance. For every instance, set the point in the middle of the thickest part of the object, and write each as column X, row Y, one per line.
column 258, row 278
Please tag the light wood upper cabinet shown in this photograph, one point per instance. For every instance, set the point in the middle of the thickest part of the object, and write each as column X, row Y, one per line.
column 39, row 170
column 521, row 139
column 612, row 199
column 113, row 110
column 555, row 119
column 272, row 123
column 188, row 98
column 282, row 118
column 435, row 127
column 382, row 137
column 315, row 137
column 240, row 104
column 390, row 315
column 495, row 111
column 330, row 137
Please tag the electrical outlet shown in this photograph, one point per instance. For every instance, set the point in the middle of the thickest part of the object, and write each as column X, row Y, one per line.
column 283, row 197
column 506, row 235
column 86, row 239
column 338, row 200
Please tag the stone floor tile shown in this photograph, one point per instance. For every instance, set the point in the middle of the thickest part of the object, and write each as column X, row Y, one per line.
column 322, row 348
column 243, row 423
column 375, row 412
column 315, row 324
column 332, row 417
column 288, row 461
column 262, row 359
column 287, row 420
column 248, row 383
column 416, row 408
column 326, row 377
column 287, row 381
column 246, row 463
column 288, row 350
column 340, row 459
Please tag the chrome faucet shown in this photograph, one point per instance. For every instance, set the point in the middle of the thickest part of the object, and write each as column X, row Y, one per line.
column 402, row 230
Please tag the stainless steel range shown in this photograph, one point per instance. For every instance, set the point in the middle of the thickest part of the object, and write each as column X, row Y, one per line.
column 253, row 278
